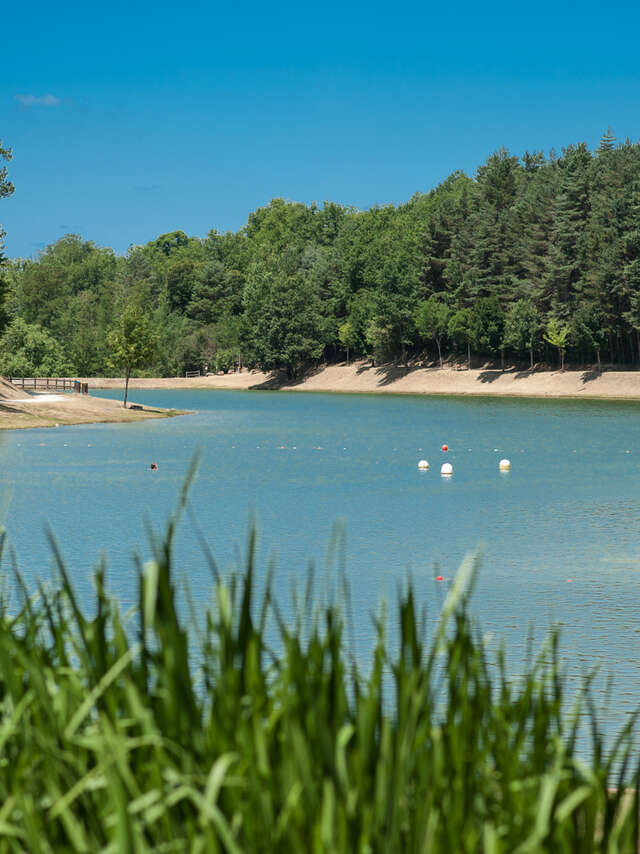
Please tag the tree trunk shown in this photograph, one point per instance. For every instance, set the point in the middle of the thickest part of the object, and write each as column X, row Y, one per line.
column 126, row 388
column 598, row 357
column 468, row 355
column 531, row 356
column 502, row 359
column 347, row 357
column 439, row 352
column 562, row 360
column 405, row 360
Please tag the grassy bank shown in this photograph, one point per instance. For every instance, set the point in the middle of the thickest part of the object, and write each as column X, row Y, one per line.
column 157, row 736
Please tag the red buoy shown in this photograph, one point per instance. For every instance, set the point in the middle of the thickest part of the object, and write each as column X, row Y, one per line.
column 439, row 578
column 445, row 447
column 154, row 467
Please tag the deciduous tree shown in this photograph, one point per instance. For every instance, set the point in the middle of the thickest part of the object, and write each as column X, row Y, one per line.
column 557, row 334
column 132, row 343
column 522, row 327
column 432, row 321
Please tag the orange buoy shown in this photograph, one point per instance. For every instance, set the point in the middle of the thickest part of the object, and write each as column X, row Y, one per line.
column 445, row 447
column 154, row 467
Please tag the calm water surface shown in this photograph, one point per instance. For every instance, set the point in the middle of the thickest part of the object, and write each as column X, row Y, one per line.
column 560, row 532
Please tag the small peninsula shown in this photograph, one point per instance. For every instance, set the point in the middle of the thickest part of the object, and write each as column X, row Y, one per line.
column 19, row 409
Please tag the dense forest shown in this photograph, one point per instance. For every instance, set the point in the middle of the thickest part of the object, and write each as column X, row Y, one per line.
column 532, row 260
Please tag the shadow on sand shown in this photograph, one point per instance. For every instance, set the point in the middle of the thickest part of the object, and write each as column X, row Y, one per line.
column 590, row 375
column 389, row 373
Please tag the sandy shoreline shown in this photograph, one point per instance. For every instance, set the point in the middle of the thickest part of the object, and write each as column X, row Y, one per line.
column 391, row 379
column 19, row 410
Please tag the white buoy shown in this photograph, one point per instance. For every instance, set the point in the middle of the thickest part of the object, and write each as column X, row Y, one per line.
column 423, row 465
column 505, row 465
column 446, row 469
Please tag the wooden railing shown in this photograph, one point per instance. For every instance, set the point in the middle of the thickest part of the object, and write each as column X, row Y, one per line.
column 192, row 374
column 48, row 384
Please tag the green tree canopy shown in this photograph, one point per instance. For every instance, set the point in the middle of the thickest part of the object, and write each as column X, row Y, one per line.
column 132, row 343
column 27, row 350
column 432, row 321
column 522, row 327
column 284, row 324
column 557, row 334
column 558, row 234
column 463, row 328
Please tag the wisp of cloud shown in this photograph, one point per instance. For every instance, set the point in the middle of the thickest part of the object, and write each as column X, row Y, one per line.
column 37, row 100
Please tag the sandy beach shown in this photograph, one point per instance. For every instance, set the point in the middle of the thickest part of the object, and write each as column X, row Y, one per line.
column 391, row 379
column 19, row 409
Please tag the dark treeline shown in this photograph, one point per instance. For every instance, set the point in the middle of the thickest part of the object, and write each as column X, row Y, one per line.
column 534, row 259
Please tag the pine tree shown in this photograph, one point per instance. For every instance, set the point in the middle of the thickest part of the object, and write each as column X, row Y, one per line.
column 607, row 142
column 493, row 265
column 570, row 211
column 533, row 229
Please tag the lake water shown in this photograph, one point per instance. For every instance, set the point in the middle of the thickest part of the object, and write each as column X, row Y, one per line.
column 560, row 532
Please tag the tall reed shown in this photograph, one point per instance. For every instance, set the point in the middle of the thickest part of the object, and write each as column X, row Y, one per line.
column 167, row 739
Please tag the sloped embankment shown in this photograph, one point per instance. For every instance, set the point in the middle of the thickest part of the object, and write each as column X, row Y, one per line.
column 9, row 391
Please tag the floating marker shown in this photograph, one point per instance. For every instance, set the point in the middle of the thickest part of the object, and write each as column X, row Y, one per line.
column 445, row 447
column 154, row 467
column 504, row 465
column 439, row 578
column 446, row 469
column 423, row 465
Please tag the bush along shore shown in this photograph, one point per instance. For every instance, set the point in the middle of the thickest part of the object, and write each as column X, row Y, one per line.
column 155, row 737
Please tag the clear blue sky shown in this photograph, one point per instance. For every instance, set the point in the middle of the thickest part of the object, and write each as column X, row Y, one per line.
column 128, row 119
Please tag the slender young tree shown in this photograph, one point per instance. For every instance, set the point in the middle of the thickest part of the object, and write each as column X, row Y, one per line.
column 132, row 343
column 522, row 327
column 432, row 321
column 588, row 328
column 463, row 328
column 348, row 336
column 557, row 334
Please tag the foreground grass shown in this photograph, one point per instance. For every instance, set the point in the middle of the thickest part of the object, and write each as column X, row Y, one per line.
column 113, row 740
